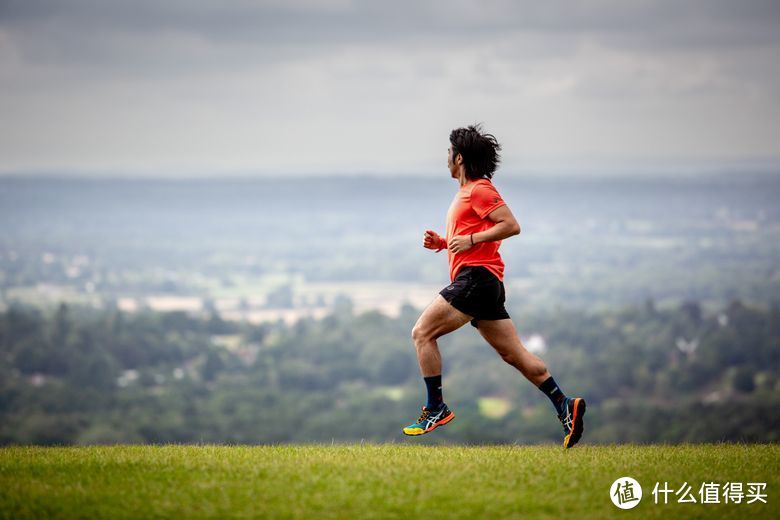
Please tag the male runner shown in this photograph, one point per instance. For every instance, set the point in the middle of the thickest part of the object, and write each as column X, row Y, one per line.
column 477, row 221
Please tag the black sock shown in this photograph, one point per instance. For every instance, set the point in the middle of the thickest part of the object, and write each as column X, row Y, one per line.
column 435, row 398
column 554, row 392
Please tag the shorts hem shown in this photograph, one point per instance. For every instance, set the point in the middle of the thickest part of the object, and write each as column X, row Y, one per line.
column 458, row 304
column 475, row 324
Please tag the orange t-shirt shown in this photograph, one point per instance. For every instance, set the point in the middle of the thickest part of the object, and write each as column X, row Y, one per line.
column 468, row 214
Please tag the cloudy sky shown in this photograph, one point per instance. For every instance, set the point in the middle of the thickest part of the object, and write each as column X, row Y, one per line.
column 190, row 87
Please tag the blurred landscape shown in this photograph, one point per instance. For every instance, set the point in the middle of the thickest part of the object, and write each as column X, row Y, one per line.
column 270, row 248
column 279, row 309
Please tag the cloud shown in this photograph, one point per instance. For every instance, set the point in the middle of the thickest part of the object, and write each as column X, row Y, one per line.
column 74, row 30
column 333, row 85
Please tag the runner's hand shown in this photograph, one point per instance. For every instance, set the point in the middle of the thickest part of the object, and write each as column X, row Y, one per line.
column 460, row 243
column 432, row 240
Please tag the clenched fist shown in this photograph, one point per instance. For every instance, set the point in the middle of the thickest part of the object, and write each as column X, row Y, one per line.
column 432, row 240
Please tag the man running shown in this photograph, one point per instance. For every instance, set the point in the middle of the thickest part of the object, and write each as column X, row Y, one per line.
column 477, row 221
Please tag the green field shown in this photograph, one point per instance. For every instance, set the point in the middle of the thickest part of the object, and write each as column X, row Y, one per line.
column 373, row 481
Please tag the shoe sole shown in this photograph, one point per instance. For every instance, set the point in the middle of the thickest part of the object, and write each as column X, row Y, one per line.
column 577, row 423
column 442, row 422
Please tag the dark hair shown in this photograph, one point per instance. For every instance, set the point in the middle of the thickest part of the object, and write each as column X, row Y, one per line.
column 479, row 151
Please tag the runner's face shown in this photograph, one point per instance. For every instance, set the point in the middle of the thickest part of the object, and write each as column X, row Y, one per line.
column 451, row 164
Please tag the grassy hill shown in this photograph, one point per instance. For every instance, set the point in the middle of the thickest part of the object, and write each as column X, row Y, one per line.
column 373, row 481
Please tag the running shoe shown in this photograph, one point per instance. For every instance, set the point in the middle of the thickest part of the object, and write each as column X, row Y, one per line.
column 430, row 420
column 571, row 419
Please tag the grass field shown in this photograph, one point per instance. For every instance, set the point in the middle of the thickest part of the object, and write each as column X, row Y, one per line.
column 374, row 481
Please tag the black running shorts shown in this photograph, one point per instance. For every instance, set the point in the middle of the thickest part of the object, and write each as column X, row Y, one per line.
column 478, row 293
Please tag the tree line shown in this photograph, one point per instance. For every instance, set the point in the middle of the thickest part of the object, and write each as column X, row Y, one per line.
column 77, row 375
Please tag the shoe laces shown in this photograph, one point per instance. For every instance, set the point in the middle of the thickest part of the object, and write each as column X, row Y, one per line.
column 565, row 418
column 424, row 415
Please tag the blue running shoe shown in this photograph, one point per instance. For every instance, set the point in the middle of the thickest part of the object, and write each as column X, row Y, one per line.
column 572, row 420
column 430, row 420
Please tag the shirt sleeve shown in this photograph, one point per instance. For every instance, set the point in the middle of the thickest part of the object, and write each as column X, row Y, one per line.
column 485, row 198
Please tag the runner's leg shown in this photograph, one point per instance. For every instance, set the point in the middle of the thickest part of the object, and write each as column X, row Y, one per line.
column 438, row 319
column 502, row 336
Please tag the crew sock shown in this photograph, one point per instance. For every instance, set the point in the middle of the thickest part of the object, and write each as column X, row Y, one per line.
column 554, row 392
column 435, row 399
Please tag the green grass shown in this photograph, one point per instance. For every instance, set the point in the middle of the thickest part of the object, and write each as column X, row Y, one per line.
column 372, row 481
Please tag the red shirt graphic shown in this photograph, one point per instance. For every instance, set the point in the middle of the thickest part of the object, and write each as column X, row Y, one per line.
column 468, row 214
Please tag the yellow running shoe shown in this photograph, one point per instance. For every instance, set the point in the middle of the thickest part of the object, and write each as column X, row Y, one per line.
column 430, row 420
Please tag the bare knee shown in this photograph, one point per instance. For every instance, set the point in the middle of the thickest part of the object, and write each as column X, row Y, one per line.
column 510, row 357
column 417, row 334
column 530, row 365
column 421, row 335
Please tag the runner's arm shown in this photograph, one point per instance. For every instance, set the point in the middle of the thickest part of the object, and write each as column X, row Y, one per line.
column 505, row 226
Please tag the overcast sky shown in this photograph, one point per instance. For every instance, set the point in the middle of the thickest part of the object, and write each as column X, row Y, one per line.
column 327, row 86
